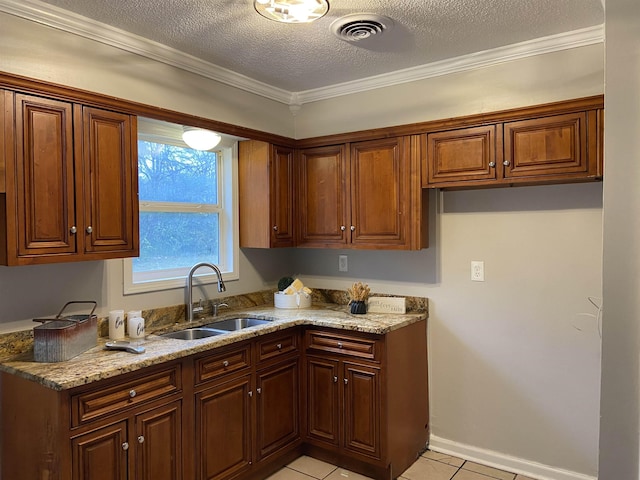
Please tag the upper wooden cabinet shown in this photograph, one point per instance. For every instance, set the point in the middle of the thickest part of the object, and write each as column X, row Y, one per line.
column 265, row 182
column 552, row 145
column 70, row 190
column 362, row 195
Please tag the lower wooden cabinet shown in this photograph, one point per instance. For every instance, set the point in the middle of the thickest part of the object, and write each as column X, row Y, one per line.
column 367, row 399
column 146, row 447
column 242, row 411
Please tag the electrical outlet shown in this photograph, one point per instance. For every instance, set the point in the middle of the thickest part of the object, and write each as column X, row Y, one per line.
column 477, row 271
column 343, row 264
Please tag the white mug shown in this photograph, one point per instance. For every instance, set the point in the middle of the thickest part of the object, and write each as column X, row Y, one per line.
column 116, row 324
column 135, row 326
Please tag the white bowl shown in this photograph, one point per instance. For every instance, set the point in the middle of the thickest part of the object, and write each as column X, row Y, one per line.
column 297, row 300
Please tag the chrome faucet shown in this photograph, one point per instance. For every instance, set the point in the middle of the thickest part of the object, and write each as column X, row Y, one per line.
column 221, row 287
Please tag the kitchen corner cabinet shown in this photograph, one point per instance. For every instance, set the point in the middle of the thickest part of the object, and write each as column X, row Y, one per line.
column 541, row 148
column 70, row 189
column 265, row 184
column 367, row 400
column 362, row 195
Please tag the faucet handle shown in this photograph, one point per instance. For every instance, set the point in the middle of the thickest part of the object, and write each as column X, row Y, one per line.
column 216, row 306
column 199, row 308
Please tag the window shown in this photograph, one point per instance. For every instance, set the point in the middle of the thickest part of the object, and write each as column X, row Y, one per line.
column 187, row 207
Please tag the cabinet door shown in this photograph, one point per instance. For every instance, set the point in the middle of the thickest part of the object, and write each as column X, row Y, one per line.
column 281, row 196
column 362, row 409
column 111, row 173
column 461, row 155
column 380, row 193
column 223, row 430
column 277, row 407
column 43, row 177
column 323, row 410
column 548, row 146
column 323, row 193
column 158, row 443
column 101, row 454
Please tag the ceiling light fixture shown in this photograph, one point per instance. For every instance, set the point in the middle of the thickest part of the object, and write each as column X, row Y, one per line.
column 199, row 138
column 292, row 11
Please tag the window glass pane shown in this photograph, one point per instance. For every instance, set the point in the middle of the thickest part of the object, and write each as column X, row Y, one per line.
column 167, row 173
column 170, row 240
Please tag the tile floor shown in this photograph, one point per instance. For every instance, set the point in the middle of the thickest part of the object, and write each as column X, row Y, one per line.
column 430, row 466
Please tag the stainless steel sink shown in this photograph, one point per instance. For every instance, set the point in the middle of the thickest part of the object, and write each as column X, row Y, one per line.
column 192, row 334
column 233, row 324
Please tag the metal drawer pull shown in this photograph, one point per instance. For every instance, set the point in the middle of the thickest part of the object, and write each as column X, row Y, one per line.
column 125, row 446
column 339, row 344
column 225, row 363
column 279, row 346
column 132, row 393
column 141, row 439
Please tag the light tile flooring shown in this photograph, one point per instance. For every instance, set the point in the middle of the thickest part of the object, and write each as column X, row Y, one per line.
column 430, row 466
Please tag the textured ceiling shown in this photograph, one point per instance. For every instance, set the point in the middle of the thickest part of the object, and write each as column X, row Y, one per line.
column 295, row 58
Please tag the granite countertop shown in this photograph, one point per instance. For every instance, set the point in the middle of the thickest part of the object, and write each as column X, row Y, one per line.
column 98, row 364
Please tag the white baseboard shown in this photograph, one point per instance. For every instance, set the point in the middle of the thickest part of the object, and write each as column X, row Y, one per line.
column 503, row 462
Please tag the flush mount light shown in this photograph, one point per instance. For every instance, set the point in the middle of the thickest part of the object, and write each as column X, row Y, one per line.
column 292, row 11
column 199, row 138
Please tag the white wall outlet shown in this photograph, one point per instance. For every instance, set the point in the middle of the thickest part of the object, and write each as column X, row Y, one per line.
column 477, row 271
column 343, row 264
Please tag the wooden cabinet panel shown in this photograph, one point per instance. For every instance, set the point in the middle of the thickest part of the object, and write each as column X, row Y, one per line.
column 546, row 146
column 380, row 183
column 277, row 406
column 101, row 454
column 323, row 411
column 462, row 154
column 362, row 399
column 159, row 443
column 111, row 174
column 70, row 177
column 223, row 429
column 44, row 176
column 323, row 194
column 265, row 195
column 222, row 362
column 275, row 346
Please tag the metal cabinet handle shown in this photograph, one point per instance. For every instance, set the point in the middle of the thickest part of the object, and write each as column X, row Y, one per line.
column 89, row 229
column 279, row 346
column 346, row 380
column 132, row 393
column 141, row 439
column 259, row 390
column 343, row 228
column 353, row 228
column 73, row 229
column 335, row 379
column 339, row 344
column 125, row 446
column 506, row 163
column 492, row 164
column 225, row 363
column 275, row 228
column 250, row 393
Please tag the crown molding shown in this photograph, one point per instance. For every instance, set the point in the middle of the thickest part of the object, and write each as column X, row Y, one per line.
column 70, row 22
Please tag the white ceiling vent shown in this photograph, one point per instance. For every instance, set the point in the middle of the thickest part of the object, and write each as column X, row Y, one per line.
column 359, row 26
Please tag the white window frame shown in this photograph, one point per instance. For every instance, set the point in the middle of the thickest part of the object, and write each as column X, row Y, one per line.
column 227, row 210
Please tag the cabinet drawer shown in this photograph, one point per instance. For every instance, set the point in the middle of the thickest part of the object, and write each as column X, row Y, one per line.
column 99, row 402
column 221, row 363
column 275, row 346
column 355, row 346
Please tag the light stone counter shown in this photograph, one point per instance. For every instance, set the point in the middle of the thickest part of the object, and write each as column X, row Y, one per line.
column 98, row 363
